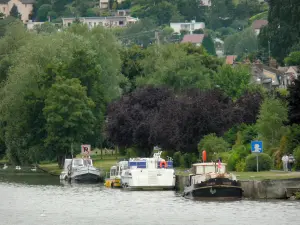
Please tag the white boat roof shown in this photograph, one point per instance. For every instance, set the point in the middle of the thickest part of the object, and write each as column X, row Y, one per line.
column 208, row 164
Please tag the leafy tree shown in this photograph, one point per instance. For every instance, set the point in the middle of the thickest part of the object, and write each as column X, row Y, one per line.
column 68, row 113
column 271, row 119
column 293, row 59
column 212, row 145
column 283, row 29
column 14, row 12
column 130, row 118
column 294, row 102
column 209, row 45
column 45, row 28
column 43, row 11
column 177, row 66
column 234, row 81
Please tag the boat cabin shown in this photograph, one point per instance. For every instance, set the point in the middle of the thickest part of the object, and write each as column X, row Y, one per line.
column 202, row 168
column 149, row 163
column 117, row 170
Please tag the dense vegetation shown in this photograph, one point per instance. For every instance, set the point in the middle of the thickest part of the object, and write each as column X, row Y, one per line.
column 61, row 89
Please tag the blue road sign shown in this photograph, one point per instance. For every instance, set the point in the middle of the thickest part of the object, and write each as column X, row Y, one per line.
column 256, row 146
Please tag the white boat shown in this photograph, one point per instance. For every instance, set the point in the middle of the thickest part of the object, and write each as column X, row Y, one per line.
column 5, row 167
column 149, row 174
column 113, row 178
column 80, row 169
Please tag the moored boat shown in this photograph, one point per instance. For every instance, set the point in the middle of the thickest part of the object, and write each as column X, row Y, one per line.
column 211, row 181
column 81, row 170
column 114, row 176
column 149, row 174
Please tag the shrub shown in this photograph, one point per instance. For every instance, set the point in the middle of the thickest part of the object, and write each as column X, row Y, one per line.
column 212, row 144
column 264, row 162
column 177, row 159
column 238, row 153
column 188, row 160
column 241, row 166
column 131, row 153
column 297, row 157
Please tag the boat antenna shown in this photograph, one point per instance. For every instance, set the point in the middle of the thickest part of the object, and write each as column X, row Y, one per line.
column 72, row 150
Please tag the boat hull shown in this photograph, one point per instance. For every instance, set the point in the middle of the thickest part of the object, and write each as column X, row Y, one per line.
column 215, row 192
column 113, row 183
column 86, row 177
column 148, row 188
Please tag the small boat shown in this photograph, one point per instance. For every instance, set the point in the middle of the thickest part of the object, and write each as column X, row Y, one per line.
column 5, row 167
column 149, row 174
column 211, row 181
column 114, row 176
column 81, row 170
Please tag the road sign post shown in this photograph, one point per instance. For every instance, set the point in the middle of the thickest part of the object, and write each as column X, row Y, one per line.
column 257, row 148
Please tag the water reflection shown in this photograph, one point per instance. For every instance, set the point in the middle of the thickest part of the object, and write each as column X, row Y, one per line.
column 31, row 200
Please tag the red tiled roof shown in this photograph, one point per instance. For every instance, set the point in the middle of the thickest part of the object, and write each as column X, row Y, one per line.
column 230, row 59
column 258, row 24
column 193, row 38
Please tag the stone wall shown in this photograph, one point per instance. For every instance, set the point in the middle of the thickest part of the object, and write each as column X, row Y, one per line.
column 265, row 189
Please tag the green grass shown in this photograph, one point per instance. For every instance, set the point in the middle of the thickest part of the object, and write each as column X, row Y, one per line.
column 105, row 163
column 266, row 175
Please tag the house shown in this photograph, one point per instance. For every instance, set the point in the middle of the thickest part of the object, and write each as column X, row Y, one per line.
column 110, row 21
column 195, row 39
column 187, row 26
column 24, row 7
column 122, row 12
column 257, row 25
column 103, row 4
column 230, row 59
column 205, row 2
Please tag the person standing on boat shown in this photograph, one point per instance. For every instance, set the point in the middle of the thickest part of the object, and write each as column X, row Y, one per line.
column 285, row 160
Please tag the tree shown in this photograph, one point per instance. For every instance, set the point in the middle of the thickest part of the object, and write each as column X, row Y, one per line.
column 294, row 102
column 43, row 11
column 293, row 59
column 209, row 45
column 130, row 118
column 212, row 145
column 234, row 81
column 14, row 12
column 68, row 114
column 270, row 124
column 283, row 29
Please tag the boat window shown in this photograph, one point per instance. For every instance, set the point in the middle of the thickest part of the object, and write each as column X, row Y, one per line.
column 78, row 162
column 113, row 172
column 88, row 162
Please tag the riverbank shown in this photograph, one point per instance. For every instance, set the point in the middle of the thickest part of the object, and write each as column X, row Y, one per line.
column 104, row 163
column 261, row 185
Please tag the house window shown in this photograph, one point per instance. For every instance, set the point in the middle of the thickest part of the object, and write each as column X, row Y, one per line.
column 69, row 24
column 121, row 23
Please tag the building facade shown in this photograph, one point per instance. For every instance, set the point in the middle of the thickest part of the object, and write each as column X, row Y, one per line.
column 24, row 7
column 110, row 21
column 103, row 4
column 189, row 26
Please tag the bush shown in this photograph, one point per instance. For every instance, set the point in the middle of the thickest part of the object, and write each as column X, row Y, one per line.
column 237, row 154
column 264, row 162
column 131, row 153
column 188, row 160
column 241, row 166
column 212, row 144
column 177, row 159
column 297, row 157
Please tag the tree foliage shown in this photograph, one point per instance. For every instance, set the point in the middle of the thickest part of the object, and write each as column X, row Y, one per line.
column 294, row 102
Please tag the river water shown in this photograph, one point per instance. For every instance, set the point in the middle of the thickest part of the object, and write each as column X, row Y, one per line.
column 39, row 199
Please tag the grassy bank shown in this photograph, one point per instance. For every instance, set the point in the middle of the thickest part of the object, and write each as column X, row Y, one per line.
column 105, row 163
column 265, row 175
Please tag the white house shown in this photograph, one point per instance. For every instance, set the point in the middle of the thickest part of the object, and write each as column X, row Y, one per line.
column 110, row 21
column 24, row 7
column 188, row 26
column 103, row 4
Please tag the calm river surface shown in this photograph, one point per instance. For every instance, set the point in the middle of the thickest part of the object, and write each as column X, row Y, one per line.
column 34, row 199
